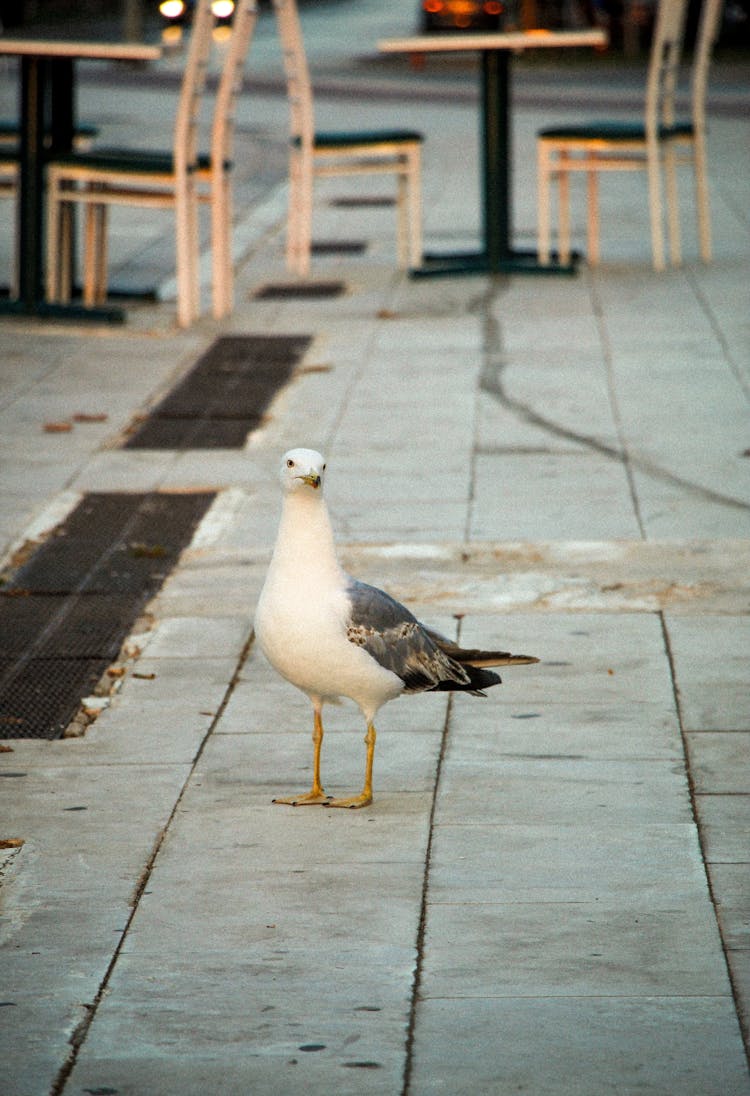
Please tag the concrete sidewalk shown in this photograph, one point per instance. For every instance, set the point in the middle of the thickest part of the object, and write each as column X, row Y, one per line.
column 550, row 892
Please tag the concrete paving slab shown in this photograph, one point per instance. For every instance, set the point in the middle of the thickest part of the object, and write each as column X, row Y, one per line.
column 541, row 497
column 208, row 588
column 127, row 736
column 725, row 827
column 534, row 386
column 672, row 508
column 710, row 655
column 584, row 656
column 199, row 637
column 342, row 1036
column 544, row 791
column 720, row 763
column 570, row 950
column 730, row 886
column 568, row 732
column 647, row 1045
column 497, row 862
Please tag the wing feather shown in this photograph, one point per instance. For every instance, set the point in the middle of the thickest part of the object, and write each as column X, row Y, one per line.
column 424, row 659
column 395, row 638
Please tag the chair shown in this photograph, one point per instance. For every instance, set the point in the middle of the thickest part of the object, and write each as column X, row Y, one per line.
column 9, row 167
column 319, row 154
column 215, row 173
column 693, row 134
column 620, row 146
column 176, row 180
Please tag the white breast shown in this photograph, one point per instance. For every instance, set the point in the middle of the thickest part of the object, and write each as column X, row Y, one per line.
column 302, row 615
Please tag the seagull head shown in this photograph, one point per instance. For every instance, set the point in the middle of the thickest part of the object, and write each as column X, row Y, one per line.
column 302, row 468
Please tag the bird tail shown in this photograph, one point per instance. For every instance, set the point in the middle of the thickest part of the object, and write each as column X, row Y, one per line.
column 482, row 659
column 476, row 664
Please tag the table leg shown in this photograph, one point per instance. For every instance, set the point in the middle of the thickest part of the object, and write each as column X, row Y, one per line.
column 47, row 106
column 496, row 154
column 31, row 196
column 498, row 255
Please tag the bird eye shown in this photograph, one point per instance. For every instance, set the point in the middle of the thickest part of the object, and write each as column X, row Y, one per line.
column 290, row 463
column 324, row 468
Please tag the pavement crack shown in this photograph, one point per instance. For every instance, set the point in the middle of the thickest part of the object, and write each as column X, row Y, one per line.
column 80, row 1032
column 492, row 382
column 421, row 931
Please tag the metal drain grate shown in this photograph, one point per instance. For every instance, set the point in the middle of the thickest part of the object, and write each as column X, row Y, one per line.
column 43, row 695
column 302, row 290
column 338, row 247
column 375, row 201
column 224, row 396
column 65, row 612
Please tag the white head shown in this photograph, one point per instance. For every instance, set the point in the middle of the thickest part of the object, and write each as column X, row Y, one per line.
column 302, row 469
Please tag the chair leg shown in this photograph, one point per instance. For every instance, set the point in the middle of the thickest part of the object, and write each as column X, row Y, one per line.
column 294, row 214
column 402, row 220
column 654, row 199
column 563, row 198
column 543, row 226
column 673, row 205
column 592, row 202
column 221, row 247
column 65, row 270
column 195, row 250
column 304, row 219
column 415, row 206
column 91, row 258
column 186, row 247
column 101, row 212
column 54, row 211
column 701, row 197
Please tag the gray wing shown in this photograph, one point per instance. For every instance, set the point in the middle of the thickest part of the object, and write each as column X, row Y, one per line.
column 395, row 638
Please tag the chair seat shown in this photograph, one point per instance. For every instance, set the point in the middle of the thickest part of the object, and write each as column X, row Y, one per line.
column 143, row 161
column 612, row 131
column 339, row 139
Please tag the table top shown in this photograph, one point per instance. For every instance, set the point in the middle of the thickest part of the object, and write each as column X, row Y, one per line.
column 95, row 51
column 512, row 40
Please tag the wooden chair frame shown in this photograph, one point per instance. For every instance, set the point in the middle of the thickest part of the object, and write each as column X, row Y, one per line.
column 215, row 178
column 613, row 146
column 314, row 154
column 691, row 138
column 177, row 181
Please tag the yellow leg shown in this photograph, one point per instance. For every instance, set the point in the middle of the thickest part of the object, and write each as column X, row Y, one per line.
column 365, row 797
column 316, row 795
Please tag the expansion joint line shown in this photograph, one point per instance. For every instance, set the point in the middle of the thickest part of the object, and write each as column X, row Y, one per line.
column 696, row 817
column 81, row 1031
column 417, row 982
column 606, row 344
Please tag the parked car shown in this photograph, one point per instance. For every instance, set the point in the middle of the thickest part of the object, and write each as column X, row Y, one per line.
column 457, row 15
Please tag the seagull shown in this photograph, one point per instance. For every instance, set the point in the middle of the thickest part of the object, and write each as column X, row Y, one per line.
column 334, row 637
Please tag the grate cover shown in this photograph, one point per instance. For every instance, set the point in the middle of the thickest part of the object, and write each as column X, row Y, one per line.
column 224, row 396
column 338, row 247
column 302, row 290
column 39, row 698
column 65, row 612
column 375, row 201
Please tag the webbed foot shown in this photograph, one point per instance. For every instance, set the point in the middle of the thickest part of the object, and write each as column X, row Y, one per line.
column 306, row 799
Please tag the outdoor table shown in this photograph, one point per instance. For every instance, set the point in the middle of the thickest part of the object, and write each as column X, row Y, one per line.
column 47, row 107
column 498, row 254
